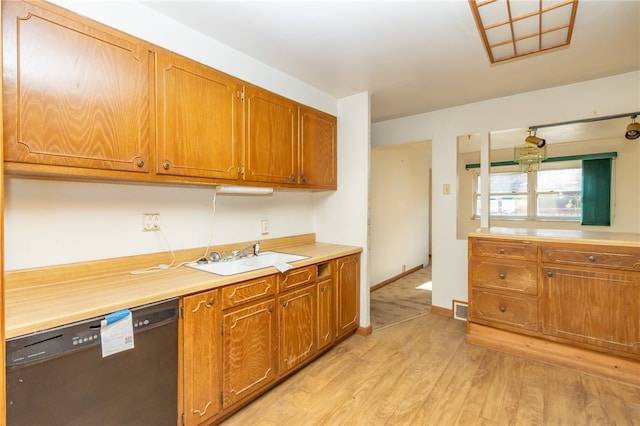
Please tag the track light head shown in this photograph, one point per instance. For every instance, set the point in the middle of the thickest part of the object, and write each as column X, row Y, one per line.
column 633, row 129
column 533, row 140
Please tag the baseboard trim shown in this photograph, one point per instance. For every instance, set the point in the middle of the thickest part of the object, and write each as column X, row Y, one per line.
column 395, row 278
column 364, row 331
column 442, row 311
column 578, row 359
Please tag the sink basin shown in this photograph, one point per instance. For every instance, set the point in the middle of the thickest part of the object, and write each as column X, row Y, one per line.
column 248, row 264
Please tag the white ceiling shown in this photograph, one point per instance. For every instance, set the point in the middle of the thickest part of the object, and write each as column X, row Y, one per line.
column 413, row 57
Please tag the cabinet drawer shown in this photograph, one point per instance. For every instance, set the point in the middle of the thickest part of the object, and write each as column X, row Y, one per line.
column 596, row 256
column 504, row 275
column 521, row 312
column 504, row 249
column 247, row 291
column 297, row 277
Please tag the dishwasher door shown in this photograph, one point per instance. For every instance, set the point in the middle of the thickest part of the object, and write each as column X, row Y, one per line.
column 58, row 376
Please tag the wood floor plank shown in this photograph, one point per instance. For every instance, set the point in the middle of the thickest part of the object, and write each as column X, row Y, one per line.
column 422, row 372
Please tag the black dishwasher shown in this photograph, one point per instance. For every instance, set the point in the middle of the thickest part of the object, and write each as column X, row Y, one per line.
column 59, row 377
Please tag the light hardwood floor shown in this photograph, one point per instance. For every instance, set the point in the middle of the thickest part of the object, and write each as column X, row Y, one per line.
column 421, row 372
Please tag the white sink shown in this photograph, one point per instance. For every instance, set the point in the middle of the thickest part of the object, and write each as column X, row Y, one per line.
column 247, row 264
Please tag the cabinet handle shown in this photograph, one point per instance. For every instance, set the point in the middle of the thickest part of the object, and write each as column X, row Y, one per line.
column 592, row 258
column 323, row 289
column 501, row 251
column 292, row 178
column 304, row 179
column 549, row 274
column 211, row 302
column 285, row 303
column 501, row 276
column 502, row 308
column 140, row 163
column 166, row 165
column 270, row 308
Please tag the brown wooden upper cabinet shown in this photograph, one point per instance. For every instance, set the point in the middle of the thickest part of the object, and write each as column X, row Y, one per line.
column 271, row 137
column 318, row 144
column 199, row 120
column 73, row 94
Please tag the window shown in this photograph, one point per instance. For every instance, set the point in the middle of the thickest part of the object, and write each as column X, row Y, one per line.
column 549, row 194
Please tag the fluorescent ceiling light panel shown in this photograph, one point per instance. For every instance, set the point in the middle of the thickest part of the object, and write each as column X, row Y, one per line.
column 513, row 28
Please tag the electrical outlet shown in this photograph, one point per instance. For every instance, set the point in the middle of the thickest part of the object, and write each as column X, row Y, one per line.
column 151, row 221
column 264, row 226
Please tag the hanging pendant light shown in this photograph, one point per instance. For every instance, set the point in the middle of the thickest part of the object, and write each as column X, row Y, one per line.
column 633, row 129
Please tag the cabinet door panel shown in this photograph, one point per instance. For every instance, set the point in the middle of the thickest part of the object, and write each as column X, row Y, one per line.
column 297, row 327
column 347, row 294
column 201, row 357
column 325, row 313
column 318, row 144
column 602, row 309
column 271, row 137
column 73, row 95
column 250, row 348
column 200, row 120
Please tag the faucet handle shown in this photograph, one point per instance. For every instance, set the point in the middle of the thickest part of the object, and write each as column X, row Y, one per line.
column 256, row 248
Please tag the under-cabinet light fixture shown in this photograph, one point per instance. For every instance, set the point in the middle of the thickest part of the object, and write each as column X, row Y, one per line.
column 243, row 190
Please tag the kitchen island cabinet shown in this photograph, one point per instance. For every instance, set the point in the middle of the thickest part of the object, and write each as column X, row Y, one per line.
column 76, row 98
column 573, row 302
column 199, row 120
column 200, row 344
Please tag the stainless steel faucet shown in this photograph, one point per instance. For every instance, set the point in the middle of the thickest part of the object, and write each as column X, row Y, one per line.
column 256, row 250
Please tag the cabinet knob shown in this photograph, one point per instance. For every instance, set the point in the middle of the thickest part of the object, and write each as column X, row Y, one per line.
column 304, row 179
column 270, row 308
column 501, row 251
column 166, row 165
column 285, row 303
column 502, row 308
column 549, row 274
column 211, row 301
column 323, row 289
column 140, row 163
column 592, row 258
column 501, row 276
column 292, row 178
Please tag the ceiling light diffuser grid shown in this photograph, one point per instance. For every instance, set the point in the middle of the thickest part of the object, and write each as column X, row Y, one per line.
column 514, row 28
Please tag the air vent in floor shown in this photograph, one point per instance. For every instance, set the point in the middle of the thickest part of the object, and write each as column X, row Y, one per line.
column 460, row 310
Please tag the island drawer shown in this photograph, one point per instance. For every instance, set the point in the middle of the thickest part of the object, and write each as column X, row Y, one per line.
column 511, row 275
column 626, row 258
column 504, row 249
column 500, row 309
column 248, row 291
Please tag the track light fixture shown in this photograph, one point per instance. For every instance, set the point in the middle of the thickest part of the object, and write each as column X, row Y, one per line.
column 533, row 140
column 633, row 129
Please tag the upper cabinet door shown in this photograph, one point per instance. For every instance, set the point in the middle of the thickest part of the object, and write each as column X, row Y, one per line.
column 73, row 94
column 318, row 159
column 199, row 120
column 271, row 137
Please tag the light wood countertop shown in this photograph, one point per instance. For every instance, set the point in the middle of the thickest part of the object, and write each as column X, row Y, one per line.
column 559, row 235
column 43, row 305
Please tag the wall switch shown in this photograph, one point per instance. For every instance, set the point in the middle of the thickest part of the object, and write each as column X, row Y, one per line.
column 264, row 226
column 151, row 221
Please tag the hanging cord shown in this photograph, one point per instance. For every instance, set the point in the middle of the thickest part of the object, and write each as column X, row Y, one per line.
column 173, row 254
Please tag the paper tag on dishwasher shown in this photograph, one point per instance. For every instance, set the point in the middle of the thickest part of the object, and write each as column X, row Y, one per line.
column 116, row 332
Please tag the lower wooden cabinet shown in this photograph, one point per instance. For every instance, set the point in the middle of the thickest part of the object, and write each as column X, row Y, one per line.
column 200, row 357
column 249, row 358
column 347, row 294
column 239, row 340
column 297, row 327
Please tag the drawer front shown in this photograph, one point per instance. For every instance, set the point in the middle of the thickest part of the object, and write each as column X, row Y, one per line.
column 248, row 291
column 601, row 257
column 520, row 312
column 297, row 277
column 505, row 249
column 509, row 275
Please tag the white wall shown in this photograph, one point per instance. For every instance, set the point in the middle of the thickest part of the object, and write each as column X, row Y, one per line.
column 341, row 216
column 399, row 209
column 606, row 96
